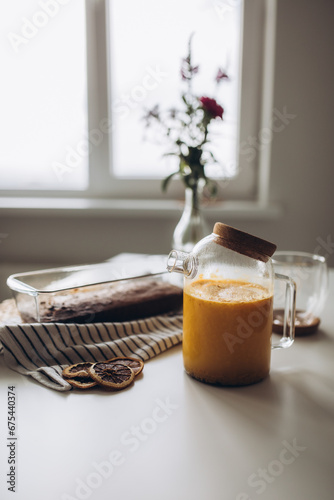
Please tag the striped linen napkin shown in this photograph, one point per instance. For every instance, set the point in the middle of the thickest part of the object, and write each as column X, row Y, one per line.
column 42, row 350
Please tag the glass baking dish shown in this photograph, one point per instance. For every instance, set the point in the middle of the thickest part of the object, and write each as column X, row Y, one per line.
column 92, row 293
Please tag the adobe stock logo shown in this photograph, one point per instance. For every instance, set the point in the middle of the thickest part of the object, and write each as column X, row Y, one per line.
column 121, row 108
column 30, row 27
column 246, row 327
column 223, row 7
column 130, row 441
column 280, row 120
column 325, row 247
column 266, row 476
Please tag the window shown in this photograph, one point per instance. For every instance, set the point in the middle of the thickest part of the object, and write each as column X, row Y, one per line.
column 145, row 58
column 81, row 74
column 43, row 96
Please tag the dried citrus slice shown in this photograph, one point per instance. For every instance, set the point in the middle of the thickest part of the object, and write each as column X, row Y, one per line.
column 112, row 375
column 137, row 365
column 77, row 370
column 81, row 382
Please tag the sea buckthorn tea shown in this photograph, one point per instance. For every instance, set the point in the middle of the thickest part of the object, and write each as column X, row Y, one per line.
column 227, row 331
column 228, row 307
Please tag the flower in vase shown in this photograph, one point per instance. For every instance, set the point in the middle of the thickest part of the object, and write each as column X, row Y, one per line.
column 187, row 128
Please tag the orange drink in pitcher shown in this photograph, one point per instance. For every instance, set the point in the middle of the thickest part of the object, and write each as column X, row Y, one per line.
column 228, row 307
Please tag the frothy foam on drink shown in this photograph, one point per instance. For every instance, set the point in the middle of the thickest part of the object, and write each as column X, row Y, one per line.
column 227, row 291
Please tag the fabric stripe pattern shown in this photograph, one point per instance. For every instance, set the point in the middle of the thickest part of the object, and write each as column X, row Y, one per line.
column 42, row 350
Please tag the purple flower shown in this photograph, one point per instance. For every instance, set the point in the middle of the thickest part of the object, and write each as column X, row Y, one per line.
column 187, row 70
column 221, row 75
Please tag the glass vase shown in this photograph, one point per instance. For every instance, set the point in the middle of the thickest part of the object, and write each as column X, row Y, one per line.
column 192, row 226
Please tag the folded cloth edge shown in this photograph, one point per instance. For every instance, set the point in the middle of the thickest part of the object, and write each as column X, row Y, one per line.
column 42, row 350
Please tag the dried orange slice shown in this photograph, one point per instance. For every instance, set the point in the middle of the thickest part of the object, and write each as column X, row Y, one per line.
column 77, row 370
column 112, row 375
column 81, row 382
column 137, row 365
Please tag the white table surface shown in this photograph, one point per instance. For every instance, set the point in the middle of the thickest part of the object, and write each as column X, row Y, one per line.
column 170, row 437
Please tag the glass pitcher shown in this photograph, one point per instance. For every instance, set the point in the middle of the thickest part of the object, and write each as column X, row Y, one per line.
column 228, row 307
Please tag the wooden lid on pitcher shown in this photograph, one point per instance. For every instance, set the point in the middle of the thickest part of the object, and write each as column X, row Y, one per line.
column 243, row 243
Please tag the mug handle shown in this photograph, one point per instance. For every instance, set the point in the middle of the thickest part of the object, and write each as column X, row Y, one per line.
column 289, row 313
column 324, row 280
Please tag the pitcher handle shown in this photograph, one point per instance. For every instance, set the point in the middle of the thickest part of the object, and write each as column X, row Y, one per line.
column 289, row 313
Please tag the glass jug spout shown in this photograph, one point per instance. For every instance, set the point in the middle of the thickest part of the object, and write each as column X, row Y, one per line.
column 182, row 262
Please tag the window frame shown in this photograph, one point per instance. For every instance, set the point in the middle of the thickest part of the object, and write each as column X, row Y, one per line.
column 256, row 108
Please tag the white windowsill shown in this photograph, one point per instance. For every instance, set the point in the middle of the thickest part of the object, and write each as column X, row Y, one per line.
column 131, row 208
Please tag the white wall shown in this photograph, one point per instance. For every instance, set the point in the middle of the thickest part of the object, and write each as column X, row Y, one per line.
column 303, row 154
column 301, row 178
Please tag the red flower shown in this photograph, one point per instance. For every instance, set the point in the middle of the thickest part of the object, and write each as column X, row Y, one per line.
column 211, row 107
